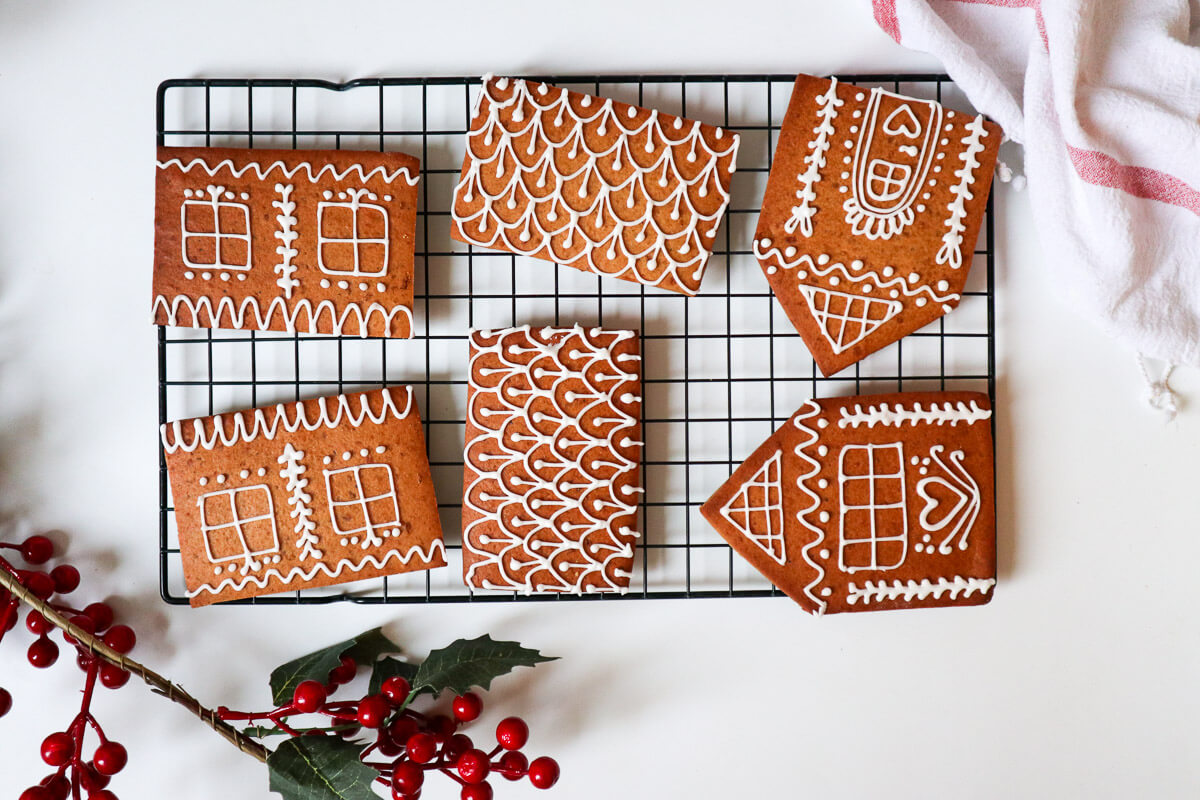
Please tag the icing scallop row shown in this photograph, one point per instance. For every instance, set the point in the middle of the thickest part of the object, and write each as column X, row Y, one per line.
column 333, row 571
column 353, row 319
column 266, row 422
column 914, row 590
column 883, row 414
column 289, row 172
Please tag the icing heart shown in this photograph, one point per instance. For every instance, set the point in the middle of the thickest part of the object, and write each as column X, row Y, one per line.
column 902, row 122
column 932, row 503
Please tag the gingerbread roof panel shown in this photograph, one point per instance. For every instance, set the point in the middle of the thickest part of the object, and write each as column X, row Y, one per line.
column 303, row 494
column 553, row 448
column 285, row 240
column 870, row 502
column 870, row 216
column 593, row 183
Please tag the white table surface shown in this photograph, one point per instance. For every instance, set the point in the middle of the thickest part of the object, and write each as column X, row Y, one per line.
column 1078, row 680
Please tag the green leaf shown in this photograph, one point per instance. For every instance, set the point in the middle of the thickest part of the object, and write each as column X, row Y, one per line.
column 320, row 768
column 388, row 668
column 472, row 662
column 364, row 648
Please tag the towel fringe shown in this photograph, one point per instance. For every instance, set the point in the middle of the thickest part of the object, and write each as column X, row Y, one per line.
column 1160, row 396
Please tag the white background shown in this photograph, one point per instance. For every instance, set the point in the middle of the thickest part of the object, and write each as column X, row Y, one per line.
column 1078, row 680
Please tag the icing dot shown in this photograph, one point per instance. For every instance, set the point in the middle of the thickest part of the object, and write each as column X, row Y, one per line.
column 343, row 284
column 823, row 259
column 765, row 242
column 220, row 479
column 888, row 272
column 921, row 301
column 842, row 189
column 217, row 571
column 920, row 207
column 923, row 471
column 846, row 160
column 241, row 276
column 586, row 101
column 822, row 484
column 848, row 144
column 823, row 423
column 245, row 473
column 856, row 265
column 938, row 168
column 225, row 276
column 187, row 192
column 326, row 460
column 867, row 288
column 387, row 197
column 823, row 516
column 677, row 124
column 845, row 175
column 341, row 195
column 379, row 287
column 859, row 96
column 206, row 275
column 324, row 283
column 353, row 540
column 948, row 127
column 823, row 553
column 925, row 195
column 932, row 182
column 275, row 559
column 204, row 481
column 328, row 195
column 189, row 274
column 772, row 270
column 826, row 592
column 834, row 280
column 893, row 294
column 364, row 452
column 942, row 286
column 262, row 471
column 789, row 251
column 346, row 456
column 362, row 287
column 822, row 450
column 854, row 129
column 380, row 449
column 920, row 548
column 944, row 142
column 940, row 156
column 913, row 277
column 856, row 114
column 245, row 196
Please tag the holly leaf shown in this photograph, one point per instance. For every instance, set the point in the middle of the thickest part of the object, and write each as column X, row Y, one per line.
column 365, row 648
column 320, row 768
column 467, row 663
column 389, row 668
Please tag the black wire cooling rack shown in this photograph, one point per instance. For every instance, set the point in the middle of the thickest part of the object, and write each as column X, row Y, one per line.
column 721, row 371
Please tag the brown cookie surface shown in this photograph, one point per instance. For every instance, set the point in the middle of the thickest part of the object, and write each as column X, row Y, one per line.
column 593, row 183
column 870, row 502
column 302, row 494
column 317, row 241
column 871, row 213
column 552, row 477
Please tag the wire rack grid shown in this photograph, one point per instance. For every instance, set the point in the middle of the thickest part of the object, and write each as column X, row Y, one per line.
column 720, row 372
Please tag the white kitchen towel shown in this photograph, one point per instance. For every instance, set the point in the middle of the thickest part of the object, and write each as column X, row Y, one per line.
column 1105, row 97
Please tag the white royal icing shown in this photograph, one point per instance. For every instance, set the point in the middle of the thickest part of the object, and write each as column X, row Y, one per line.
column 959, row 482
column 809, row 410
column 761, row 522
column 802, row 213
column 300, row 501
column 951, row 249
column 538, row 468
column 266, row 422
column 533, row 141
column 883, row 414
column 354, row 319
column 287, row 173
column 913, row 590
column 286, row 220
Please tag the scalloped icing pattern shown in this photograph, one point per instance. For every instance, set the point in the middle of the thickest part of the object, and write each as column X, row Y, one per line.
column 185, row 312
column 545, row 489
column 544, row 177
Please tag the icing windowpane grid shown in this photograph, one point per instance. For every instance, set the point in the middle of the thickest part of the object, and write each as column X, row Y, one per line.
column 720, row 371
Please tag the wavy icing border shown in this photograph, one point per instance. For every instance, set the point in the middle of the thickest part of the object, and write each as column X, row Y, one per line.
column 289, row 172
column 203, row 308
column 261, row 581
column 267, row 421
column 798, row 419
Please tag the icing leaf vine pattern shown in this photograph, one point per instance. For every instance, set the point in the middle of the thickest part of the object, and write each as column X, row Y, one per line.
column 593, row 183
column 552, row 460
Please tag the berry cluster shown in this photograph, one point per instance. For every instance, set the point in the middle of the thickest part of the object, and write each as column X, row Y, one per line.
column 75, row 775
column 405, row 744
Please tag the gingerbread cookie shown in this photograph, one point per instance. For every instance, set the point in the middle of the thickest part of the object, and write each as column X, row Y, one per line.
column 314, row 241
column 552, row 459
column 870, row 502
column 592, row 183
column 871, row 213
column 302, row 494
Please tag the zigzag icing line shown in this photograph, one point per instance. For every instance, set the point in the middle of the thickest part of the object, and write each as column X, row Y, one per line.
column 912, row 590
column 289, row 172
column 526, row 234
column 765, row 251
column 266, row 422
column 951, row 249
column 305, row 575
column 590, row 545
column 202, row 310
column 953, row 413
column 809, row 410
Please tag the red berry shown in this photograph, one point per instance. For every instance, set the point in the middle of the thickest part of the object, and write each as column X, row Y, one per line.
column 103, row 794
column 37, row 549
column 395, row 689
column 59, row 786
column 80, row 621
column 476, row 791
column 344, row 672
column 513, row 765
column 467, row 707
column 441, row 726
column 455, row 746
column 65, row 577
column 39, row 583
column 309, row 697
column 83, row 660
column 120, row 638
column 42, row 653
column 5, row 702
column 407, row 778
column 473, row 766
column 512, row 733
column 110, row 758
column 100, row 614
column 402, row 795
column 58, row 749
column 421, row 748
column 388, row 746
column 37, row 624
column 373, row 711
column 36, row 793
column 92, row 781
column 401, row 728
column 543, row 772
column 113, row 677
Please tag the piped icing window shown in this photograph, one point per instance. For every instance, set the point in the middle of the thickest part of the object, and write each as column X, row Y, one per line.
column 216, row 229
